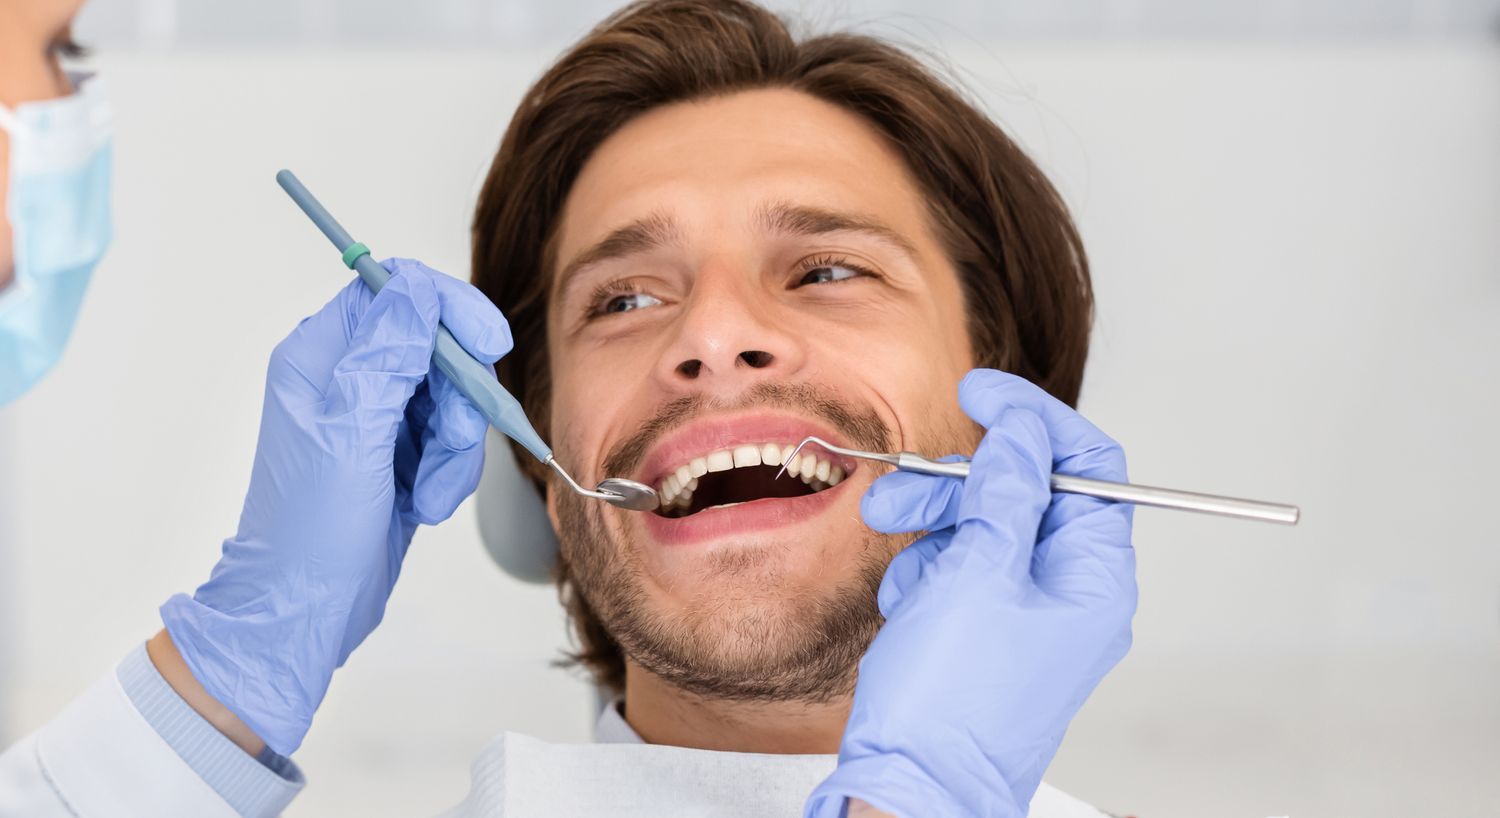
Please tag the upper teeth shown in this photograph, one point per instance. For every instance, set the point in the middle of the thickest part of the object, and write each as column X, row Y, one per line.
column 677, row 487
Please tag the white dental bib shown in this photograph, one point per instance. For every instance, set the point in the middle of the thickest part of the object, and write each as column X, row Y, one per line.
column 516, row 776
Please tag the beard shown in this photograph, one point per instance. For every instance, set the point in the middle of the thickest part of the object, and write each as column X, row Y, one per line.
column 763, row 639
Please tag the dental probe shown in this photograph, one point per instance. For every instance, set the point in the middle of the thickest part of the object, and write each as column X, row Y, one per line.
column 476, row 380
column 1103, row 489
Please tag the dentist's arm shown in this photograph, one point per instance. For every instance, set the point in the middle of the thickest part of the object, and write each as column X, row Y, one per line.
column 168, row 662
column 999, row 623
column 359, row 444
column 130, row 746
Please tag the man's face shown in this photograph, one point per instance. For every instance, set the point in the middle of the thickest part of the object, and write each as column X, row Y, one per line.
column 733, row 275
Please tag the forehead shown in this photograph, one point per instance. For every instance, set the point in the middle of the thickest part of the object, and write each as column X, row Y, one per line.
column 719, row 160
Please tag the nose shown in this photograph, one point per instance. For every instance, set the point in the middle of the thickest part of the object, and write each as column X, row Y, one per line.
column 731, row 334
column 692, row 368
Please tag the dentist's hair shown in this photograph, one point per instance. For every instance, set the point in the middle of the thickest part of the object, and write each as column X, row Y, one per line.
column 1005, row 229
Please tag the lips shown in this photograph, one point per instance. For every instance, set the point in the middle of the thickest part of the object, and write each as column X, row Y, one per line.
column 717, row 475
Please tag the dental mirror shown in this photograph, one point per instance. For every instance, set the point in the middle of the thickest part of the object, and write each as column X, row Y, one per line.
column 617, row 491
column 629, row 494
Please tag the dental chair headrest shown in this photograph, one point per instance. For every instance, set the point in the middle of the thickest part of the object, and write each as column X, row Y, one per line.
column 512, row 518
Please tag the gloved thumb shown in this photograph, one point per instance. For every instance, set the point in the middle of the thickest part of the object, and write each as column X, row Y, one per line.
column 474, row 320
column 1007, row 491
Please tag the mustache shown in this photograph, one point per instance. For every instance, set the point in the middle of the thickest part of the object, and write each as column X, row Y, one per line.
column 861, row 427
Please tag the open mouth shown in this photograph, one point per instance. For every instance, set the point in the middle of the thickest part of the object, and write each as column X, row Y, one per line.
column 744, row 474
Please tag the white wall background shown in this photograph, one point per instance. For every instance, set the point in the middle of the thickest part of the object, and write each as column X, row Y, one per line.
column 1297, row 255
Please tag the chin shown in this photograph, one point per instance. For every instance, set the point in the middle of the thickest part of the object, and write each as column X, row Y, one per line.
column 747, row 582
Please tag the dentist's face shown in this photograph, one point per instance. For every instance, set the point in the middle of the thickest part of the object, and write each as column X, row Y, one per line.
column 31, row 32
column 733, row 275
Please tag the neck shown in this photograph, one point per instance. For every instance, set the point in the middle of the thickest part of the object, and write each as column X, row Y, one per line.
column 662, row 714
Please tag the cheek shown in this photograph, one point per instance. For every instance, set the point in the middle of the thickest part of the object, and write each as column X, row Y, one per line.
column 948, row 355
column 590, row 390
column 952, row 344
column 565, row 377
column 565, row 422
column 913, row 376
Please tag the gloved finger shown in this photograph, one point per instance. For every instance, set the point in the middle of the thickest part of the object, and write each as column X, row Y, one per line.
column 474, row 320
column 1084, row 545
column 1079, row 448
column 903, row 501
column 452, row 453
column 389, row 354
column 1007, row 491
column 456, row 423
column 302, row 364
column 1091, row 562
column 907, row 569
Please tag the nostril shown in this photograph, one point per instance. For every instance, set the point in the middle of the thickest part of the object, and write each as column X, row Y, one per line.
column 756, row 359
column 690, row 369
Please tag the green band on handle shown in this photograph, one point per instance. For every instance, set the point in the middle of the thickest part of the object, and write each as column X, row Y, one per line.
column 352, row 254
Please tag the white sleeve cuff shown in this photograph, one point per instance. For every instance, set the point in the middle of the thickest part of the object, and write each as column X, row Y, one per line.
column 253, row 788
column 146, row 752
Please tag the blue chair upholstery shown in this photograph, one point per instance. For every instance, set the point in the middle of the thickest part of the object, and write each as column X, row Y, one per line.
column 512, row 519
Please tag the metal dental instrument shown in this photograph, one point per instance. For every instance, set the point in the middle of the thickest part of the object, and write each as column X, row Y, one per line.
column 1103, row 489
column 474, row 379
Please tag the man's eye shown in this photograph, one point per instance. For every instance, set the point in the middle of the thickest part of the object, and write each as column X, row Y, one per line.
column 628, row 302
column 65, row 48
column 828, row 270
column 821, row 275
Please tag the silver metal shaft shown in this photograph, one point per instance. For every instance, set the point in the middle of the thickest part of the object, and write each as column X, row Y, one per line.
column 1103, row 489
column 1175, row 498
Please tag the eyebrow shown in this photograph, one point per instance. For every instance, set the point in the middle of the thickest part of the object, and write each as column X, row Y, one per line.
column 803, row 220
column 640, row 236
column 780, row 218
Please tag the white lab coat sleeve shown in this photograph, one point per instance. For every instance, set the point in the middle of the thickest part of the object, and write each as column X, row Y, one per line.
column 145, row 752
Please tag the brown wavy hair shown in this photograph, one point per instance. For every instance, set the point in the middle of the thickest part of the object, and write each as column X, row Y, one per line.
column 1005, row 229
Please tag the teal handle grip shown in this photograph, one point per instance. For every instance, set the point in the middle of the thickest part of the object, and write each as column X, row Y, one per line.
column 477, row 381
column 474, row 378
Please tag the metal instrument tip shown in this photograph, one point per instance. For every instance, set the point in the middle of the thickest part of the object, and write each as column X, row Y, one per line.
column 811, row 439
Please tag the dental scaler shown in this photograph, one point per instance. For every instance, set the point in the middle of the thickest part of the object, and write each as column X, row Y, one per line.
column 1102, row 489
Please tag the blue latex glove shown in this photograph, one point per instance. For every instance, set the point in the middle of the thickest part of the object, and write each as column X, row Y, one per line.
column 359, row 443
column 999, row 623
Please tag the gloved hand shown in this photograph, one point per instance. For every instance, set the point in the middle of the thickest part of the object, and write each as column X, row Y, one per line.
column 999, row 622
column 359, row 443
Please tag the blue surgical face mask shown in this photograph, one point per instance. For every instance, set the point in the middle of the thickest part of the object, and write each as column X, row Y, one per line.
column 58, row 206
